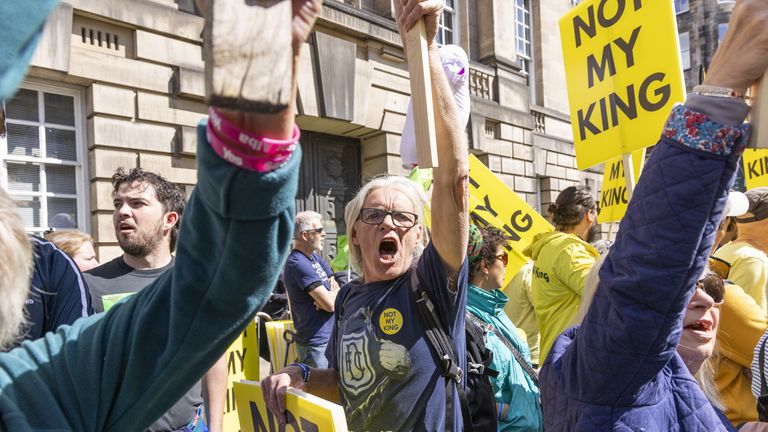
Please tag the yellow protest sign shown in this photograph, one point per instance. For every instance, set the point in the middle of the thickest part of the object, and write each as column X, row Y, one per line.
column 304, row 411
column 623, row 74
column 492, row 202
column 613, row 196
column 282, row 350
column 242, row 363
column 755, row 167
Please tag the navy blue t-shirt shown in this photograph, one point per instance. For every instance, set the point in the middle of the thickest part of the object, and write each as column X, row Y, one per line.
column 389, row 379
column 301, row 275
column 58, row 294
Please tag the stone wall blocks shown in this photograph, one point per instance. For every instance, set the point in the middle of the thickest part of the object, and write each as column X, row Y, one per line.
column 102, row 163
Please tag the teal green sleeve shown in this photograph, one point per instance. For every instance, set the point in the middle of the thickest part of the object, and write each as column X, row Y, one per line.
column 22, row 24
column 123, row 369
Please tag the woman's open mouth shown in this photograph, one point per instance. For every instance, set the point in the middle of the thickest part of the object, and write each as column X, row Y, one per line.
column 701, row 328
column 387, row 249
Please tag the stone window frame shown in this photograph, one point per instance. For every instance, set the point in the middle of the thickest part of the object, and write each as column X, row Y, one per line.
column 43, row 196
column 685, row 51
column 450, row 10
column 524, row 39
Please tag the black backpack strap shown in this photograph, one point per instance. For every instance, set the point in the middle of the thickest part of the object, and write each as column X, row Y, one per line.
column 527, row 368
column 443, row 347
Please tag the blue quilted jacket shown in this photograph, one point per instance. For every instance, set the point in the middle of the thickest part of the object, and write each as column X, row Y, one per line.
column 620, row 369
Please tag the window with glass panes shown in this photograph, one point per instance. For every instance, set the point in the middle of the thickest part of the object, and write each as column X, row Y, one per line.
column 681, row 6
column 42, row 158
column 523, row 34
column 446, row 30
column 685, row 49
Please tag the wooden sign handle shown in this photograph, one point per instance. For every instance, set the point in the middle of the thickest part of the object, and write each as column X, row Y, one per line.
column 421, row 96
column 759, row 114
column 248, row 54
column 629, row 174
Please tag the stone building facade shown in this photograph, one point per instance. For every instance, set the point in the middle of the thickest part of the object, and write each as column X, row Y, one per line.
column 119, row 83
column 701, row 25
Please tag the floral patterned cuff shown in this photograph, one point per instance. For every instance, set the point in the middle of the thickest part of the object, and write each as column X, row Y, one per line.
column 699, row 132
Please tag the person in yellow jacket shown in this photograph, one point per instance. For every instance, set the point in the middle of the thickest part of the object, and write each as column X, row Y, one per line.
column 742, row 323
column 561, row 261
column 520, row 311
column 747, row 254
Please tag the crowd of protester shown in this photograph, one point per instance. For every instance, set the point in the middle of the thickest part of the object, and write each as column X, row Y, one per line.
column 663, row 328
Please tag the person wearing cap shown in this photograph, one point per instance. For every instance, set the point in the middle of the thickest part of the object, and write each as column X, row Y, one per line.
column 742, row 323
column 747, row 254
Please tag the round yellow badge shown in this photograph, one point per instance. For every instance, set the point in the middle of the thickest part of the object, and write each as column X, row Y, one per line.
column 391, row 321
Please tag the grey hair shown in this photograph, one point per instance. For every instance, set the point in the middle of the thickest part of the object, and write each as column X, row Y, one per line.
column 16, row 256
column 352, row 211
column 304, row 221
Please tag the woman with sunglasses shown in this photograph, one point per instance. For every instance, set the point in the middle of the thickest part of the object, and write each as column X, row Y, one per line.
column 381, row 365
column 651, row 324
column 515, row 387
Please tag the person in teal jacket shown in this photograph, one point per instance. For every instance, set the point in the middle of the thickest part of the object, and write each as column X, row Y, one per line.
column 121, row 370
column 516, row 391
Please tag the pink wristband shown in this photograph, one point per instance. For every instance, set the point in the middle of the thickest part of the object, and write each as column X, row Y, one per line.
column 243, row 160
column 229, row 131
column 246, row 150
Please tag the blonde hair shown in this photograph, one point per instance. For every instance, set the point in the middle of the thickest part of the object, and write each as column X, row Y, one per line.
column 705, row 376
column 15, row 272
column 69, row 241
column 352, row 211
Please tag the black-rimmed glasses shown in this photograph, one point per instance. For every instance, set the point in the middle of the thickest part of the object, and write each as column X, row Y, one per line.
column 374, row 216
column 315, row 231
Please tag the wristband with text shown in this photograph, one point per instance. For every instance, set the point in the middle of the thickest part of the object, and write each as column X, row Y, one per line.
column 229, row 131
column 305, row 371
column 237, row 157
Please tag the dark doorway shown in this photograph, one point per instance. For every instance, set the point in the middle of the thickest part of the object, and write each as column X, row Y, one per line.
column 330, row 177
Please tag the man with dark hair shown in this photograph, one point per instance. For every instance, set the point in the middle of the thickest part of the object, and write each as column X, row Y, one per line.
column 146, row 219
column 561, row 261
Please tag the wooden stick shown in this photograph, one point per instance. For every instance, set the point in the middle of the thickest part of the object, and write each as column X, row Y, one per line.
column 421, row 96
column 248, row 53
column 629, row 174
column 759, row 116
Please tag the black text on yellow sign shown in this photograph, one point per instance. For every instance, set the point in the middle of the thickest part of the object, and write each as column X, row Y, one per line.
column 493, row 203
column 623, row 75
column 617, row 194
column 614, row 197
column 652, row 94
column 755, row 163
column 304, row 412
column 265, row 421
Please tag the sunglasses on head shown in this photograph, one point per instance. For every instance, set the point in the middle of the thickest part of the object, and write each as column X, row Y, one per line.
column 713, row 285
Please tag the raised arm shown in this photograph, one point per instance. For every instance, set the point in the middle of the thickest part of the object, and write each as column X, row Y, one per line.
column 450, row 217
column 633, row 326
column 146, row 352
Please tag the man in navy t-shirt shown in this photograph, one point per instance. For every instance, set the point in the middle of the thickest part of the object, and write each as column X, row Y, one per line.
column 311, row 290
